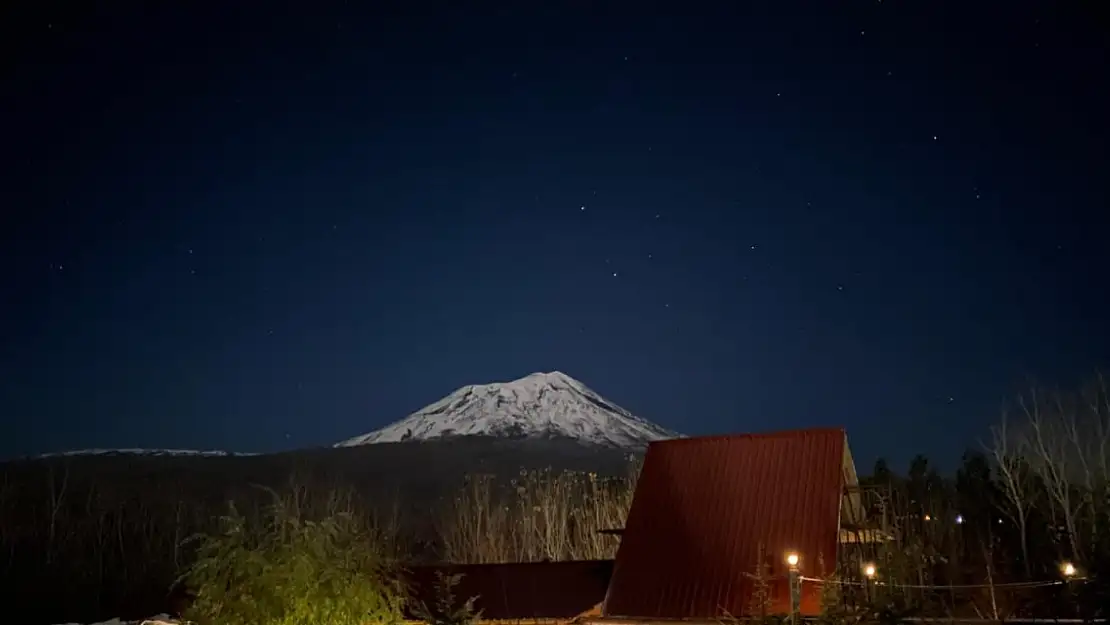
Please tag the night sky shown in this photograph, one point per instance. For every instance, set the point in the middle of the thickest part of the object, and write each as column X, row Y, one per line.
column 259, row 226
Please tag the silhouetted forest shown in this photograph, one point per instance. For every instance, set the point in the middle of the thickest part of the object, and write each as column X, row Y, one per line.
column 83, row 538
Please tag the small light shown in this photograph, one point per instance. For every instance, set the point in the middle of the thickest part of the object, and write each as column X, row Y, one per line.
column 928, row 518
column 1068, row 569
column 792, row 559
column 959, row 519
column 869, row 571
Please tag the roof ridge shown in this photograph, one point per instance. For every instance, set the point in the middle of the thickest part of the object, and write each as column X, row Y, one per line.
column 795, row 433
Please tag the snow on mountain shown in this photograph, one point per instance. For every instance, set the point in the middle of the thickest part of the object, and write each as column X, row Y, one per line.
column 537, row 406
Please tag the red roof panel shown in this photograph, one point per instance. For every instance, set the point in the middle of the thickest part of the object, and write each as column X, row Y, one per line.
column 703, row 507
column 520, row 590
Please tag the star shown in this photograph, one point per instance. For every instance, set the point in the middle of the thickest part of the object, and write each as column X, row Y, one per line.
column 840, row 287
column 582, row 208
column 614, row 274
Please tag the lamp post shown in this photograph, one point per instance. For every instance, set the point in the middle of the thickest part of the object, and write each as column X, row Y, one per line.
column 1068, row 570
column 792, row 560
column 869, row 571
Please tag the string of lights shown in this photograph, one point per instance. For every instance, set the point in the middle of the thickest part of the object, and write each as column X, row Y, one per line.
column 870, row 571
column 1015, row 585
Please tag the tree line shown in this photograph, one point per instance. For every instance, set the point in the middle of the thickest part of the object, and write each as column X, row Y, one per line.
column 1036, row 496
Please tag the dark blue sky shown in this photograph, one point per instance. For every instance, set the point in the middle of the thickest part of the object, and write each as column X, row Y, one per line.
column 261, row 228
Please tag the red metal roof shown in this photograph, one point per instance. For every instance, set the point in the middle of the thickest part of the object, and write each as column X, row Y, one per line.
column 703, row 507
column 520, row 590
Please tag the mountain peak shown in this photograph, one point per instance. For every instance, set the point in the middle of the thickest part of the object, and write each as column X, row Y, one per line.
column 539, row 405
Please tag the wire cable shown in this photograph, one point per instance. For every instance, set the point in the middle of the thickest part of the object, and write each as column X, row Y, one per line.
column 1013, row 585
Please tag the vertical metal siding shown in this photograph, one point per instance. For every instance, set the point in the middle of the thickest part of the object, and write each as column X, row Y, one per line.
column 701, row 510
column 518, row 590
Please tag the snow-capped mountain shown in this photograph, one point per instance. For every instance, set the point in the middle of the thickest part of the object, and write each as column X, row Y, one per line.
column 540, row 405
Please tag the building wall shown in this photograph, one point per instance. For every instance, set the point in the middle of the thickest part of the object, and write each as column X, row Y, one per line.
column 710, row 512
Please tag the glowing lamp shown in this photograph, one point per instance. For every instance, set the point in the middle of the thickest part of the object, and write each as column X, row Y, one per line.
column 1068, row 569
column 792, row 559
column 869, row 571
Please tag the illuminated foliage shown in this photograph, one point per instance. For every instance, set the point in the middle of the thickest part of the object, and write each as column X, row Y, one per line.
column 285, row 569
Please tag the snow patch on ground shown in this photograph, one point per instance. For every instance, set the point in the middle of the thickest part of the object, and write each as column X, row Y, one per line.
column 142, row 452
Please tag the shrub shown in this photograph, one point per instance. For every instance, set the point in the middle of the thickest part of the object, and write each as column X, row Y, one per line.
column 284, row 569
column 447, row 609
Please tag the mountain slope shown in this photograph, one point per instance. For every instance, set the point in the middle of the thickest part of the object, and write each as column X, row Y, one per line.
column 541, row 405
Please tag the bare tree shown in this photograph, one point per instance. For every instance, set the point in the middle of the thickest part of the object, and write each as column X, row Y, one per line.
column 1090, row 435
column 1053, row 455
column 57, row 491
column 1066, row 442
column 988, row 560
column 546, row 506
column 475, row 528
column 541, row 515
column 1016, row 483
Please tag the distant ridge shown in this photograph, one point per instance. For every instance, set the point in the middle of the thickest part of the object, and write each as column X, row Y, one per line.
column 142, row 452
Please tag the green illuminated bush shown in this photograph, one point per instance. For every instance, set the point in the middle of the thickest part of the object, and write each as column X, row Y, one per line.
column 284, row 567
